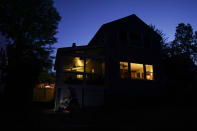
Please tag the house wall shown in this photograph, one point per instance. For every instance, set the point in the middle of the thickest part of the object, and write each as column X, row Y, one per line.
column 117, row 51
column 86, row 95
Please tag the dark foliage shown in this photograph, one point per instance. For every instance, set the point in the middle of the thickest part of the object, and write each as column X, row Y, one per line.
column 30, row 26
column 3, row 65
column 180, row 56
column 179, row 60
column 46, row 77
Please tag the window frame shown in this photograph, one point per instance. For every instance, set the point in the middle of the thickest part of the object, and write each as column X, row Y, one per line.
column 129, row 71
column 84, row 73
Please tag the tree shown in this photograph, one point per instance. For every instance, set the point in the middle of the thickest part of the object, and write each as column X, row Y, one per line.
column 30, row 26
column 182, row 54
column 179, row 59
column 180, row 64
column 165, row 49
column 184, row 42
column 46, row 77
column 3, row 66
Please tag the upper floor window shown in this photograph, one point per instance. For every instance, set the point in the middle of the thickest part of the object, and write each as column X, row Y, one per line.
column 135, row 39
column 73, row 64
column 76, row 69
column 147, row 41
column 149, row 72
column 95, row 66
column 134, row 36
column 124, row 70
column 95, row 71
column 137, row 71
column 123, row 36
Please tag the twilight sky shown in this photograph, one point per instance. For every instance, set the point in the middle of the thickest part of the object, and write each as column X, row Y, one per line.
column 82, row 18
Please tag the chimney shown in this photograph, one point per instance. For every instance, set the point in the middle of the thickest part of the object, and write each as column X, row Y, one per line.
column 74, row 45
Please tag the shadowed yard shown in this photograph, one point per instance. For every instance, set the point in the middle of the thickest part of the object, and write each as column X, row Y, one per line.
column 139, row 118
column 162, row 116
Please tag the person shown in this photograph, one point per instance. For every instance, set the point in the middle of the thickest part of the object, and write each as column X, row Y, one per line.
column 65, row 104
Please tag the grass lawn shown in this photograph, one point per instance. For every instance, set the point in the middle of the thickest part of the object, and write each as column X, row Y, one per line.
column 159, row 117
column 146, row 118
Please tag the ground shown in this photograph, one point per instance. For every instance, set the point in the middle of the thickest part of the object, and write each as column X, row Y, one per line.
column 160, row 116
column 139, row 118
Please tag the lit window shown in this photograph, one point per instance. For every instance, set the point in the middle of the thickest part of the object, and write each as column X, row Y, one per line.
column 94, row 66
column 70, row 77
column 123, row 70
column 79, row 76
column 95, row 71
column 149, row 72
column 137, row 71
column 73, row 64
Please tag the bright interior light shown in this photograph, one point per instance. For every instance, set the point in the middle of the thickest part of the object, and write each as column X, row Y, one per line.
column 47, row 86
column 78, row 62
column 149, row 72
column 79, row 76
column 137, row 71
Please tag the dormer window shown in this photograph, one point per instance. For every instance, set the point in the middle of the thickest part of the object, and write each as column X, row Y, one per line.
column 147, row 41
column 123, row 37
column 135, row 39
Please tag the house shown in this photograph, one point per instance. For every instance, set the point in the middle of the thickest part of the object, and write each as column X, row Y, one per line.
column 121, row 61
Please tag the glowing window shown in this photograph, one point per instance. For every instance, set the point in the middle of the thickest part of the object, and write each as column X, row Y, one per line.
column 70, row 77
column 95, row 71
column 73, row 64
column 79, row 76
column 149, row 72
column 137, row 71
column 123, row 70
column 95, row 66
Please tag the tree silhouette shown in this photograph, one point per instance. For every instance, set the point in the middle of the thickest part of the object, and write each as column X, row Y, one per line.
column 3, row 66
column 30, row 26
column 46, row 77
column 179, row 62
column 184, row 42
column 179, row 59
column 182, row 53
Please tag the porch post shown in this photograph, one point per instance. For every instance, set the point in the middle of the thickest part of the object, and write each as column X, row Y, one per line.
column 144, row 71
column 84, row 83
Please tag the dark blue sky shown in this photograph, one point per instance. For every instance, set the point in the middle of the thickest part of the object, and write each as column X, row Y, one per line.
column 82, row 18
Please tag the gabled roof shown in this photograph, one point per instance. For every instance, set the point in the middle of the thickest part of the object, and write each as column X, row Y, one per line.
column 131, row 21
